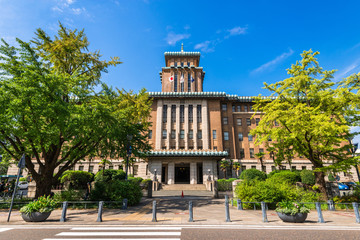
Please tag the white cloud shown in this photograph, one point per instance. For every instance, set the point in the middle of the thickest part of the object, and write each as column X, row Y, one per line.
column 173, row 38
column 273, row 62
column 237, row 31
column 348, row 70
column 78, row 11
column 207, row 46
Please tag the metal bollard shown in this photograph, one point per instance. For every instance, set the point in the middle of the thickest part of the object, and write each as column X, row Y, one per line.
column 263, row 209
column 101, row 204
column 232, row 202
column 149, row 189
column 191, row 211
column 227, row 211
column 154, row 212
column 320, row 216
column 63, row 214
column 239, row 205
column 331, row 205
column 356, row 210
column 125, row 203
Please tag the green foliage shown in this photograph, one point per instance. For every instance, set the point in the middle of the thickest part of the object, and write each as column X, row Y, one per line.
column 77, row 179
column 42, row 204
column 291, row 208
column 272, row 191
column 136, row 180
column 286, row 175
column 70, row 195
column 110, row 175
column 22, row 179
column 251, row 174
column 307, row 177
column 225, row 184
column 331, row 178
column 145, row 183
column 116, row 191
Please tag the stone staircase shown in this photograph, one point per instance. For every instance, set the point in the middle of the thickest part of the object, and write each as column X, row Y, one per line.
column 183, row 187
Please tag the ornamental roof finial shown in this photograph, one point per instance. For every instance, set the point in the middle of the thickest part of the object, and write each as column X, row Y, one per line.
column 182, row 47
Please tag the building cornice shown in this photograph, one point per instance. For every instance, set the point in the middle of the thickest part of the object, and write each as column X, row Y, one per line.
column 184, row 153
column 182, row 54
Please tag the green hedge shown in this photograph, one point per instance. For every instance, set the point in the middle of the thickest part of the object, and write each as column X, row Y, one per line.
column 110, row 175
column 225, row 184
column 286, row 175
column 307, row 177
column 76, row 179
column 252, row 174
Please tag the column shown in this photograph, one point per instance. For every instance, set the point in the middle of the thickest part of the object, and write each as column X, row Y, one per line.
column 171, row 173
column 205, row 124
column 159, row 123
column 193, row 179
column 177, row 126
column 168, row 127
column 195, row 125
column 186, row 126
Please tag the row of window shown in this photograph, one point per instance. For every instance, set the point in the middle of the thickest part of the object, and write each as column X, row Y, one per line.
column 182, row 113
column 239, row 121
column 238, row 108
column 243, row 168
column 181, row 134
column 189, row 80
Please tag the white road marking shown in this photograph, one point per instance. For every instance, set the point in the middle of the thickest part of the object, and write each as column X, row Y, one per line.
column 124, row 228
column 5, row 229
column 119, row 234
column 111, row 238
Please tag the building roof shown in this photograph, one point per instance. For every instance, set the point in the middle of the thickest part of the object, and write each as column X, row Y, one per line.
column 184, row 153
column 182, row 54
column 206, row 94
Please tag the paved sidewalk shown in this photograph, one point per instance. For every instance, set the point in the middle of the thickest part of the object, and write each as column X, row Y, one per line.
column 174, row 211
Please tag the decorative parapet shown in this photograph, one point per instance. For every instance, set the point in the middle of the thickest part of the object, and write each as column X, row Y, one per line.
column 187, row 153
column 182, row 54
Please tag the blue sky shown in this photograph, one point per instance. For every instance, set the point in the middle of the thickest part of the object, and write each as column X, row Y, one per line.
column 242, row 43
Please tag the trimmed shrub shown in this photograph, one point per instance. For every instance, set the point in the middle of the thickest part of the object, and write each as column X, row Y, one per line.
column 307, row 177
column 286, row 175
column 252, row 174
column 116, row 191
column 136, row 180
column 145, row 183
column 76, row 179
column 110, row 175
column 70, row 195
column 225, row 184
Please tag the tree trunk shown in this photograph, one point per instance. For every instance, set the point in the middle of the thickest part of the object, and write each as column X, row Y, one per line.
column 320, row 181
column 262, row 165
column 43, row 187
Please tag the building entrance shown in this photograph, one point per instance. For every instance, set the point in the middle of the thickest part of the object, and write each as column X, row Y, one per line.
column 182, row 174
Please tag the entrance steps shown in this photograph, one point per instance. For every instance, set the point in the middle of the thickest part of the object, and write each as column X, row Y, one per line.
column 183, row 187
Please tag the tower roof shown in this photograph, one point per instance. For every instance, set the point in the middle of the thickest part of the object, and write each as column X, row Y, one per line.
column 182, row 53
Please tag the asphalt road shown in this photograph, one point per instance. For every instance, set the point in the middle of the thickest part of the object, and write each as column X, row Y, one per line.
column 176, row 232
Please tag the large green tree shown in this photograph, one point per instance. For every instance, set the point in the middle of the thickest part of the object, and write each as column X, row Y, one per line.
column 55, row 109
column 311, row 120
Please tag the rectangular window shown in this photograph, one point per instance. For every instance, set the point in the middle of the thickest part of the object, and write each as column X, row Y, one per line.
column 238, row 108
column 164, row 134
column 224, row 106
column 81, row 168
column 273, row 168
column 199, row 134
column 182, row 113
column 243, row 168
column 150, row 134
column 173, row 113
column 225, row 120
column 233, row 108
column 303, row 167
column 257, row 120
column 165, row 113
column 226, row 136
column 252, row 153
column 253, row 167
column 214, row 134
column 111, row 167
column 293, row 167
column 215, row 148
column 191, row 134
column 188, row 63
column 189, row 82
column 245, row 108
column 261, row 150
column 264, row 169
column 175, row 64
column 251, row 108
column 248, row 121
column 182, row 134
column 182, row 64
column 175, row 82
column 136, row 169
column 241, row 137
column 182, row 87
column 173, row 134
column 191, row 111
column 239, row 121
column 250, row 138
column 91, row 168
column 199, row 117
column 242, row 153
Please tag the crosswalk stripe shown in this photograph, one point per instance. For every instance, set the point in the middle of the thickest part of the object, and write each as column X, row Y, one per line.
column 119, row 234
column 125, row 228
column 5, row 229
column 112, row 239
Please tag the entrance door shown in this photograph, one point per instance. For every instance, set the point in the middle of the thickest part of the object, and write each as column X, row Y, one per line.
column 182, row 173
column 199, row 173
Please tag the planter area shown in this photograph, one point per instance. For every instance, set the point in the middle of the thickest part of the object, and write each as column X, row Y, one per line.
column 35, row 216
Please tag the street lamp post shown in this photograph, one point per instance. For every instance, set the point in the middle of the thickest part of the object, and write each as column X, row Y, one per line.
column 128, row 150
column 155, row 175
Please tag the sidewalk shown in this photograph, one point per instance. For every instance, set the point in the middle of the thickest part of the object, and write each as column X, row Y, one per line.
column 174, row 211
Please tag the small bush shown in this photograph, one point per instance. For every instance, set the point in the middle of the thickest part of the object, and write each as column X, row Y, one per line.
column 252, row 174
column 145, row 183
column 110, row 175
column 307, row 177
column 225, row 184
column 76, row 179
column 286, row 175
column 136, row 180
column 70, row 195
column 116, row 191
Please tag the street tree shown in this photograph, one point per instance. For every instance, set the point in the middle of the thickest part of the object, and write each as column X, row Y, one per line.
column 310, row 115
column 260, row 156
column 55, row 109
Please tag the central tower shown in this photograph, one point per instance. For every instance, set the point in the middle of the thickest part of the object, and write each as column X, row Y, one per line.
column 182, row 72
